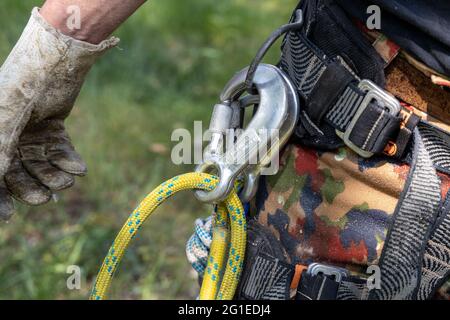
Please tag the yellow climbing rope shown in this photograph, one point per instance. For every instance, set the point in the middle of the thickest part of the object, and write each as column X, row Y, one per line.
column 228, row 241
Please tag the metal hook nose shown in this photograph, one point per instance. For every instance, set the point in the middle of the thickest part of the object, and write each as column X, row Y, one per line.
column 278, row 110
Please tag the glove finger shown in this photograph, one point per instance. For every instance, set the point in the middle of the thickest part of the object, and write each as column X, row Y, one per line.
column 24, row 187
column 48, row 175
column 67, row 159
column 6, row 203
column 35, row 162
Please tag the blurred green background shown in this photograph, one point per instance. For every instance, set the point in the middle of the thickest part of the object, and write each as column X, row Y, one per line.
column 174, row 59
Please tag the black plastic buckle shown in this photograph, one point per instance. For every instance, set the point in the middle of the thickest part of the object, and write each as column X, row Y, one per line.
column 320, row 282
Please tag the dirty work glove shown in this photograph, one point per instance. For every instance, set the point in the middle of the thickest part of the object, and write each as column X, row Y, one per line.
column 39, row 83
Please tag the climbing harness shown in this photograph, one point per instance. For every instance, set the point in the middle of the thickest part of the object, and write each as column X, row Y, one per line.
column 343, row 108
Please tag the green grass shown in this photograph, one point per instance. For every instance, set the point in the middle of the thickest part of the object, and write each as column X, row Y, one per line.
column 174, row 59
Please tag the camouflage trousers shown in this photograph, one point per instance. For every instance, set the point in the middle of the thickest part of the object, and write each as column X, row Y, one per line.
column 333, row 207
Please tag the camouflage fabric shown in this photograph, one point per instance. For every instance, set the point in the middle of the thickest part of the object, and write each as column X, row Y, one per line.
column 332, row 207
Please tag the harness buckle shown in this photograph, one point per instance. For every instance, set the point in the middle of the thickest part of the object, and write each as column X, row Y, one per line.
column 320, row 282
column 337, row 273
column 373, row 92
column 253, row 149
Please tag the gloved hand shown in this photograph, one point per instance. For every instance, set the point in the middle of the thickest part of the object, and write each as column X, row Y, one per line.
column 39, row 83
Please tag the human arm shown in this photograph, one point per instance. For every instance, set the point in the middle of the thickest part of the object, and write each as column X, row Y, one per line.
column 39, row 83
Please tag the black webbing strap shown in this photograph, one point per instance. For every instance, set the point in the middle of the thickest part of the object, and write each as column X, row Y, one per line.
column 317, row 287
column 437, row 142
column 332, row 94
column 403, row 251
column 353, row 289
column 436, row 262
column 269, row 279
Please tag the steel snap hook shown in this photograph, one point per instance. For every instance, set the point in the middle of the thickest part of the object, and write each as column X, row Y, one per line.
column 254, row 148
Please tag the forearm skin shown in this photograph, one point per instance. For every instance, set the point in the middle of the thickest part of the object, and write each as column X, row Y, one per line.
column 98, row 18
